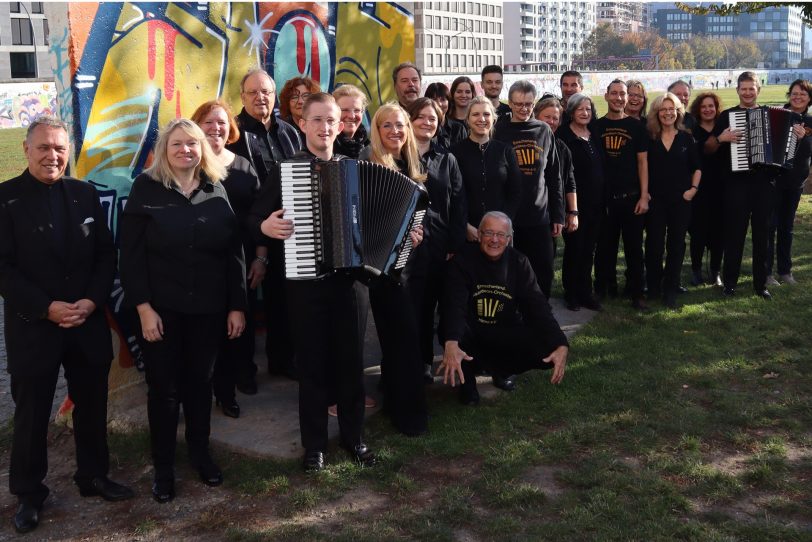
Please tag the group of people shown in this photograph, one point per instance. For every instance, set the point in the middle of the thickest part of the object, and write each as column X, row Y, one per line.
column 203, row 233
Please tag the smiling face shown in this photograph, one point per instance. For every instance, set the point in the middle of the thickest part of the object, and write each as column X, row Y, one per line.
column 407, row 85
column 424, row 124
column 799, row 99
column 352, row 113
column 480, row 120
column 748, row 93
column 551, row 116
column 582, row 115
column 494, row 236
column 393, row 132
column 707, row 110
column 297, row 100
column 569, row 86
column 183, row 150
column 635, row 101
column 258, row 96
column 443, row 103
column 462, row 96
column 492, row 85
column 216, row 127
column 616, row 97
column 321, row 127
column 47, row 152
column 667, row 114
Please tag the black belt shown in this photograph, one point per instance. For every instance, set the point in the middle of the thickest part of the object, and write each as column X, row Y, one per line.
column 626, row 195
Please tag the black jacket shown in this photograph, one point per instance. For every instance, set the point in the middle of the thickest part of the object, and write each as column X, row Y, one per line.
column 587, row 166
column 264, row 147
column 492, row 179
column 445, row 223
column 181, row 254
column 34, row 272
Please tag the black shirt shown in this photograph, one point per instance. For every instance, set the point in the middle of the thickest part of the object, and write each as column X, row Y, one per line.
column 492, row 178
column 451, row 132
column 587, row 165
column 670, row 171
column 796, row 177
column 242, row 187
column 622, row 140
column 181, row 254
column 445, row 223
column 710, row 164
column 480, row 293
column 565, row 162
column 534, row 145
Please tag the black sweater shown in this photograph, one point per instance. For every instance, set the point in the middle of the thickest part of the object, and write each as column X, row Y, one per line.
column 492, row 179
column 445, row 223
column 181, row 254
column 542, row 193
column 670, row 171
column 474, row 282
column 587, row 166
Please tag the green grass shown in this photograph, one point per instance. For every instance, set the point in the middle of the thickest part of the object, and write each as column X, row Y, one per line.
column 12, row 159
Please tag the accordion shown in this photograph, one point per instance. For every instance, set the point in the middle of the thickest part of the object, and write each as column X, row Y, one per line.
column 348, row 214
column 768, row 138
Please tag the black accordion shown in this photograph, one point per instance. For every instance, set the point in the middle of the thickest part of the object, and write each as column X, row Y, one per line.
column 768, row 138
column 350, row 215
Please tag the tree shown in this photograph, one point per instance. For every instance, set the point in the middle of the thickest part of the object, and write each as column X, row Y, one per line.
column 743, row 53
column 604, row 42
column 684, row 56
column 746, row 7
column 708, row 53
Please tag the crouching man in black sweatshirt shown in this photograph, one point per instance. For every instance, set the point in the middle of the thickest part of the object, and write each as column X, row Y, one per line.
column 496, row 315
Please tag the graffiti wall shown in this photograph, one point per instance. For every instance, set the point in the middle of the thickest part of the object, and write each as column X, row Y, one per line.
column 20, row 103
column 123, row 70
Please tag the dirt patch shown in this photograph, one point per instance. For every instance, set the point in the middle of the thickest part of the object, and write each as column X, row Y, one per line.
column 545, row 478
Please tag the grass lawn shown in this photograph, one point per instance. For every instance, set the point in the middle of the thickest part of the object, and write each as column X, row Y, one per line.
column 12, row 159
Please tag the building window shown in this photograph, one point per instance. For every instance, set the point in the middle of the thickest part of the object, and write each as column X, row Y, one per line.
column 429, row 61
column 22, row 65
column 46, row 32
column 21, row 32
column 14, row 7
column 36, row 7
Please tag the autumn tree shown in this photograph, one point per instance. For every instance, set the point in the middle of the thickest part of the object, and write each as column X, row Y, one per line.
column 708, row 53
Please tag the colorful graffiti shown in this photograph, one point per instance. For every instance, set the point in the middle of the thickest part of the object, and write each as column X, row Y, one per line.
column 123, row 70
column 20, row 103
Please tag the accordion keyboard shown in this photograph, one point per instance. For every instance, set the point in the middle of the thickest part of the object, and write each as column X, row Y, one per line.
column 300, row 199
column 738, row 151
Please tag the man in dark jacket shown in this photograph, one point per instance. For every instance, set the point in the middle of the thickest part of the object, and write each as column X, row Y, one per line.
column 265, row 140
column 496, row 315
column 57, row 264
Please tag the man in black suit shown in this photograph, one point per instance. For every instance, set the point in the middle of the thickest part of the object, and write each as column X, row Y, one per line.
column 57, row 264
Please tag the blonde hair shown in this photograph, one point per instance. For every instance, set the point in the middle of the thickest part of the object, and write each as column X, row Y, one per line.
column 409, row 151
column 653, row 120
column 162, row 171
column 482, row 100
column 348, row 90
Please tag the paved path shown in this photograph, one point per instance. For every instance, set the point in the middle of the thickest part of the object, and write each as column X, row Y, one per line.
column 269, row 425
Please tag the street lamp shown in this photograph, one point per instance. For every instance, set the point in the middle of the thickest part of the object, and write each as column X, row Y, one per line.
column 33, row 39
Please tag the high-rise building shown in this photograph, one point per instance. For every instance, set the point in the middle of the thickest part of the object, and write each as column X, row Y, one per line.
column 546, row 36
column 777, row 30
column 457, row 37
column 625, row 17
column 24, row 40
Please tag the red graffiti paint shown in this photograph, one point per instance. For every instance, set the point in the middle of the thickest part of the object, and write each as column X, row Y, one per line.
column 301, row 53
column 170, row 35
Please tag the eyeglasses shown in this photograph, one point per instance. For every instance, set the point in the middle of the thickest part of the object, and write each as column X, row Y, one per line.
column 297, row 97
column 254, row 93
column 522, row 106
column 799, row 95
column 501, row 236
column 319, row 121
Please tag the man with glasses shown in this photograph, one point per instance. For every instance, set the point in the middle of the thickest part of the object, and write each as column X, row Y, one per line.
column 497, row 318
column 541, row 213
column 266, row 140
column 322, row 312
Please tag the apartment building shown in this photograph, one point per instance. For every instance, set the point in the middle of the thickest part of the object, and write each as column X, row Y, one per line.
column 24, row 40
column 625, row 17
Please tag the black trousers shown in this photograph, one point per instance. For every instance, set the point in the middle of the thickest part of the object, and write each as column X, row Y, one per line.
column 425, row 289
column 708, row 226
column 33, row 397
column 235, row 362
column 504, row 350
column 402, row 364
column 178, row 371
column 579, row 255
column 620, row 220
column 747, row 202
column 324, row 319
column 781, row 225
column 666, row 223
column 278, row 334
column 536, row 242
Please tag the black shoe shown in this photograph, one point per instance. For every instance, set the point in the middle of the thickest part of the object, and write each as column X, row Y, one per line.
column 247, row 387
column 210, row 474
column 573, row 305
column 696, row 277
column 106, row 489
column 163, row 490
column 592, row 304
column 27, row 518
column 507, row 383
column 670, row 300
column 362, row 454
column 230, row 407
column 682, row 289
column 640, row 304
column 313, row 461
column 728, row 291
column 428, row 377
column 469, row 396
column 764, row 294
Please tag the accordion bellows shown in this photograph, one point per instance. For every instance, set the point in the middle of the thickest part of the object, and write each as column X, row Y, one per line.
column 348, row 214
column 768, row 138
